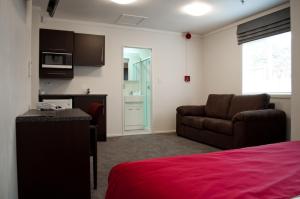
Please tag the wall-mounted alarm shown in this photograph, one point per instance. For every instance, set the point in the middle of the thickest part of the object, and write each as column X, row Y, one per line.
column 187, row 78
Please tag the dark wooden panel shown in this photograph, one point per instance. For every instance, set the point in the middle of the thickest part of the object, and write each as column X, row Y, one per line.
column 56, row 73
column 56, row 40
column 53, row 160
column 89, row 50
column 83, row 102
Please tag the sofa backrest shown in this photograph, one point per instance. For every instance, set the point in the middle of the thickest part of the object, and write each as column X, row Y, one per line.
column 241, row 103
column 217, row 105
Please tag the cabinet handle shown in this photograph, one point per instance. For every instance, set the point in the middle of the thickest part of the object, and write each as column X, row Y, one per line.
column 102, row 55
column 55, row 73
column 57, row 49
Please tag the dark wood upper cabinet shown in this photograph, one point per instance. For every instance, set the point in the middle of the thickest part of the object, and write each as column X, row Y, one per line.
column 89, row 50
column 56, row 41
column 61, row 50
column 61, row 44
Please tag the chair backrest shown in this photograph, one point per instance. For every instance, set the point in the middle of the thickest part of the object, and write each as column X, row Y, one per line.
column 95, row 110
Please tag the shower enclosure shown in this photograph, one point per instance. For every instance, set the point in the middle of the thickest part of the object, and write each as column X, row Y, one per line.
column 137, row 90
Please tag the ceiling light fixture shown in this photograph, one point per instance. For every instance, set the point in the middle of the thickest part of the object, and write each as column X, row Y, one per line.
column 197, row 9
column 123, row 2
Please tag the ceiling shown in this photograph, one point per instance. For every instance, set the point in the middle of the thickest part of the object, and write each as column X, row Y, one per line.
column 162, row 14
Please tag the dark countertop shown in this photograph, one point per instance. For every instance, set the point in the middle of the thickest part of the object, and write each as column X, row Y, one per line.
column 73, row 95
column 58, row 115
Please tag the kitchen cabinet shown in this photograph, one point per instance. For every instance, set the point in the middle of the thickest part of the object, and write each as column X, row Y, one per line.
column 56, row 41
column 53, row 160
column 56, row 54
column 89, row 50
column 56, row 73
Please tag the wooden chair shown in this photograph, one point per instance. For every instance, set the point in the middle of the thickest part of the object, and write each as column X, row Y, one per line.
column 94, row 110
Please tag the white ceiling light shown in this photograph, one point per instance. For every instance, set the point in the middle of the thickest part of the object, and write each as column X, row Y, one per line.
column 123, row 1
column 197, row 9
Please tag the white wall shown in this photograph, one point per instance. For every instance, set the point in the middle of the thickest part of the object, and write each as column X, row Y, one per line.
column 223, row 63
column 168, row 69
column 15, row 22
column 295, row 17
column 35, row 54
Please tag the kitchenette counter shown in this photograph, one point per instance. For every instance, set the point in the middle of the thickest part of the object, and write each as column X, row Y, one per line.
column 53, row 154
column 55, row 115
column 83, row 102
column 68, row 95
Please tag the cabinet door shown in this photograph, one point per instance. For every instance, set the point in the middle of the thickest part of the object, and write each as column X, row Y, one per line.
column 56, row 40
column 134, row 116
column 53, row 159
column 56, row 73
column 89, row 50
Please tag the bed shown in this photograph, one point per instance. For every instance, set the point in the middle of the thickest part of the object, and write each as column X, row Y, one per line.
column 269, row 171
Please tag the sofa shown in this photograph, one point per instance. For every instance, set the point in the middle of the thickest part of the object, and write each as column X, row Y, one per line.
column 230, row 121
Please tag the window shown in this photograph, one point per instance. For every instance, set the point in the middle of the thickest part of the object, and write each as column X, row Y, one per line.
column 267, row 65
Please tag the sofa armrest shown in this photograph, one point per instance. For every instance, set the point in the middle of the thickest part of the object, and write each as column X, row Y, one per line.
column 252, row 128
column 191, row 110
column 261, row 115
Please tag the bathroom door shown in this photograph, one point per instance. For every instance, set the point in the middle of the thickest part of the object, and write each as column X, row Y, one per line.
column 137, row 90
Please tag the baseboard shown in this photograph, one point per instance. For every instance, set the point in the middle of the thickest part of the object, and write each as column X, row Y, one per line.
column 167, row 131
column 140, row 133
column 114, row 135
column 137, row 132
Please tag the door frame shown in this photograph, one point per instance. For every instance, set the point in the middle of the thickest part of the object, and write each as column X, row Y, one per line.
column 134, row 132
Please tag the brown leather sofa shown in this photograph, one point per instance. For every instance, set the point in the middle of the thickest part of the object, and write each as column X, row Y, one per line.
column 232, row 121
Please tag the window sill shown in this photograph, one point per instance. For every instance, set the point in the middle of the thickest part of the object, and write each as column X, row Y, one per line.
column 286, row 96
column 273, row 96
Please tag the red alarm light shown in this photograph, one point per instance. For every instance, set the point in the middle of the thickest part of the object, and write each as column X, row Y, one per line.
column 188, row 35
column 187, row 78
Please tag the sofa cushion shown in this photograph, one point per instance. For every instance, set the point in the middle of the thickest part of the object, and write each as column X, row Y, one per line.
column 217, row 106
column 193, row 121
column 218, row 125
column 191, row 110
column 241, row 103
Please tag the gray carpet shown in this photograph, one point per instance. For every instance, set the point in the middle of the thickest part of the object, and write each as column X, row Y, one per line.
column 138, row 147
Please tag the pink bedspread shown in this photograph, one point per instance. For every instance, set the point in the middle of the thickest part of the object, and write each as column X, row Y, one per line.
column 270, row 171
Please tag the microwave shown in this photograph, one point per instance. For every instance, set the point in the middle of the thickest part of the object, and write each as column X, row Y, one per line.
column 57, row 60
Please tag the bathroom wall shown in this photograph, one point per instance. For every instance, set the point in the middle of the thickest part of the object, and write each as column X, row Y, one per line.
column 131, row 87
column 135, row 55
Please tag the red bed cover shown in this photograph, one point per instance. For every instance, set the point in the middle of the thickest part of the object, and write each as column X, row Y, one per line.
column 270, row 171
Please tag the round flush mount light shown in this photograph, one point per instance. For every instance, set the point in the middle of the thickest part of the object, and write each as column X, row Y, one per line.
column 123, row 2
column 196, row 9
